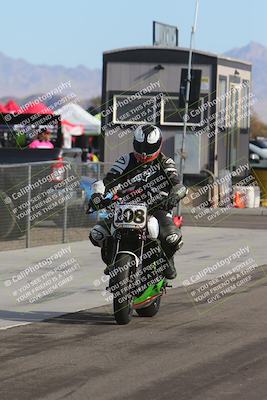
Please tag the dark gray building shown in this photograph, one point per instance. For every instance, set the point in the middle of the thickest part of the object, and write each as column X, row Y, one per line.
column 143, row 85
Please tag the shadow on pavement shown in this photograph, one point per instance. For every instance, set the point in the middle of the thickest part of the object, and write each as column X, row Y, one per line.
column 30, row 316
column 83, row 318
column 80, row 317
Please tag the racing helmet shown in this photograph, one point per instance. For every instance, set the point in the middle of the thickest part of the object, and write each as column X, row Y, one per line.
column 147, row 143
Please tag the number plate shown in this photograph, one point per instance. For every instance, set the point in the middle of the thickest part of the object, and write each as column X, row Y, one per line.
column 130, row 216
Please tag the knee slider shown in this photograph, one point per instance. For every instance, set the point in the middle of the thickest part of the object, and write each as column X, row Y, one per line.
column 97, row 235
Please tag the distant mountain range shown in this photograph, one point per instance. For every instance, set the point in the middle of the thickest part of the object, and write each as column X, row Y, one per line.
column 21, row 80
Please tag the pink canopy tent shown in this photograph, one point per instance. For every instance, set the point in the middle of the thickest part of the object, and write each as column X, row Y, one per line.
column 69, row 129
column 2, row 108
column 12, row 106
column 39, row 108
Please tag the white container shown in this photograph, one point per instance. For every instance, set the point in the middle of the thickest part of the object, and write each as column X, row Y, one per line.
column 257, row 198
column 251, row 193
column 250, row 196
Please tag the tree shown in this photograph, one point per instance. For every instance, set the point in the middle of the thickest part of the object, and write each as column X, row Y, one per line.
column 257, row 127
column 96, row 101
column 95, row 105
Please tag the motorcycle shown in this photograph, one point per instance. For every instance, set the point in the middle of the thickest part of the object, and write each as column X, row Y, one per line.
column 137, row 262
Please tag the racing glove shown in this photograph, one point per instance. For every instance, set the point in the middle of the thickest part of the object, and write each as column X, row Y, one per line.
column 177, row 193
column 95, row 202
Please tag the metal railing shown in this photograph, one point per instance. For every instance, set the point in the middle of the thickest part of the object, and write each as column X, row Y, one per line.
column 44, row 202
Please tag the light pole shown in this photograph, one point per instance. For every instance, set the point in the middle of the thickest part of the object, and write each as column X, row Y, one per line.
column 187, row 96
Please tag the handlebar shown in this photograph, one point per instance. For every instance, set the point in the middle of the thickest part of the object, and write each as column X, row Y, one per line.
column 180, row 189
column 104, row 203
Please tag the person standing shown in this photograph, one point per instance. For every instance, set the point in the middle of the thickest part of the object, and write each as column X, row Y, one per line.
column 42, row 141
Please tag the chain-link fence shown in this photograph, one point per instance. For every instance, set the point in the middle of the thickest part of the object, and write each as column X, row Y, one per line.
column 44, row 202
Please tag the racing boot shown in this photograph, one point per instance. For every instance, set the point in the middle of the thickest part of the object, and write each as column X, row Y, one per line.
column 106, row 253
column 170, row 271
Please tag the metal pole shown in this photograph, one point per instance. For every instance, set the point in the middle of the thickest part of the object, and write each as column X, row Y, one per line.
column 98, row 171
column 28, row 226
column 98, row 178
column 65, row 211
column 188, row 85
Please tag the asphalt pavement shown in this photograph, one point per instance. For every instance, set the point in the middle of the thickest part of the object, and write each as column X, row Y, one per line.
column 185, row 352
column 244, row 218
column 208, row 342
column 26, row 276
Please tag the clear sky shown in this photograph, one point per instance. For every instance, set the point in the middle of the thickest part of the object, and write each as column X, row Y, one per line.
column 73, row 32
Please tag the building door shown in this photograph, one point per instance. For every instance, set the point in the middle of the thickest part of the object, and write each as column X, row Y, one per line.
column 234, row 125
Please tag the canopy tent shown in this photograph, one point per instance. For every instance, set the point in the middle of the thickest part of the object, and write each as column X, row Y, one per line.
column 77, row 116
column 38, row 108
column 74, row 119
column 3, row 108
column 70, row 130
column 12, row 107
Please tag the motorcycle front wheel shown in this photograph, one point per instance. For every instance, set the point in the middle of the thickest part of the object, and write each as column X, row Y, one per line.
column 151, row 310
column 122, row 301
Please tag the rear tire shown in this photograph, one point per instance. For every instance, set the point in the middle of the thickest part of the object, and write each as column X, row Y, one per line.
column 122, row 303
column 151, row 310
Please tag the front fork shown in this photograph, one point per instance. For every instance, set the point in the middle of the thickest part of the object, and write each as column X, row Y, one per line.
column 120, row 246
column 140, row 263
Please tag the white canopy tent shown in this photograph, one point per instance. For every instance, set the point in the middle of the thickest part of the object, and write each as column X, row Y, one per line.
column 77, row 121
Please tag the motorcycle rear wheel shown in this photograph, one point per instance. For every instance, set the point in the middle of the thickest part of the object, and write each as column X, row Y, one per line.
column 122, row 304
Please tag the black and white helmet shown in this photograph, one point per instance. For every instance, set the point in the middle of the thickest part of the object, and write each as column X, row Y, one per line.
column 147, row 142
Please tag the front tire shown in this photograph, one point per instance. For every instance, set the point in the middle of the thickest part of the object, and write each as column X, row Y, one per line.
column 151, row 310
column 122, row 302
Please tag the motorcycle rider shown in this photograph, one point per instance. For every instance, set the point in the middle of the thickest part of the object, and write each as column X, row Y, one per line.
column 149, row 175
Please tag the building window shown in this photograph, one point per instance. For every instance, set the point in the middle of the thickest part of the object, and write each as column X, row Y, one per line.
column 234, row 123
column 234, row 106
column 222, row 101
column 171, row 114
column 129, row 109
column 245, row 105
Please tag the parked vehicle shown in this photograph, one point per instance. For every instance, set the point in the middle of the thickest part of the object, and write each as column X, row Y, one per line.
column 258, row 164
column 258, row 149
